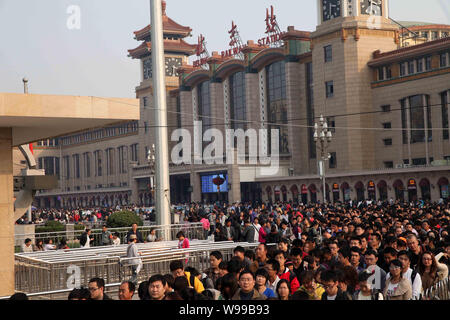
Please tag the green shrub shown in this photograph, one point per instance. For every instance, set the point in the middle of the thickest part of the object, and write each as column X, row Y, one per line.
column 51, row 226
column 123, row 219
column 79, row 227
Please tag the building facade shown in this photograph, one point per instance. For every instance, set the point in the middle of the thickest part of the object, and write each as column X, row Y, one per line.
column 387, row 105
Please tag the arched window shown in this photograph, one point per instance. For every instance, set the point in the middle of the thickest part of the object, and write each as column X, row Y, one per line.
column 277, row 193
column 425, row 189
column 295, row 193
column 346, row 191
column 371, row 191
column 382, row 190
column 277, row 103
column 237, row 101
column 284, row 193
column 313, row 193
column 335, row 192
column 269, row 193
column 304, row 191
column 444, row 187
column 399, row 190
column 359, row 186
column 412, row 190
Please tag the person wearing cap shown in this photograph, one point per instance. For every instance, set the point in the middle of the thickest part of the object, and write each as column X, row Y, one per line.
column 133, row 258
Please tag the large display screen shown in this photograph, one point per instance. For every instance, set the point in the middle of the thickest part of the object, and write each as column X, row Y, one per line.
column 209, row 187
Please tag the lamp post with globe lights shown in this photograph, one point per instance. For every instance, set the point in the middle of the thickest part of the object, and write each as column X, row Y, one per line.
column 324, row 136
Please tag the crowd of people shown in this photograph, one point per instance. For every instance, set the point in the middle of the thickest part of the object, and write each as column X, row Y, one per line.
column 317, row 252
column 82, row 215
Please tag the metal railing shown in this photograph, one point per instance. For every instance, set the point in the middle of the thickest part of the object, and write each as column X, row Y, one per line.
column 57, row 270
column 192, row 231
column 440, row 291
column 112, row 290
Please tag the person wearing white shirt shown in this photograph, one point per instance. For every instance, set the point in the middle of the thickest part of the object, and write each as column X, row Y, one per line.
column 49, row 245
column 115, row 239
column 257, row 226
column 27, row 246
column 413, row 276
column 222, row 218
column 273, row 267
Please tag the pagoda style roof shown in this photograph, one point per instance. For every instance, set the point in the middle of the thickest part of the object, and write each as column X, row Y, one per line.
column 178, row 45
column 170, row 27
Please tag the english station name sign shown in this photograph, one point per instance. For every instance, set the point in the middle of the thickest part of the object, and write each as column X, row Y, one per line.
column 273, row 37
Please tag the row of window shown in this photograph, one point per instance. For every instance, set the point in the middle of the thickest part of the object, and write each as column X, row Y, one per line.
column 413, row 66
column 50, row 164
column 113, row 158
column 414, row 111
column 48, row 143
column 415, row 162
column 434, row 34
column 98, row 134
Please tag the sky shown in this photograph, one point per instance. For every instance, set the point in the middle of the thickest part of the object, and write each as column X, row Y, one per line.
column 40, row 39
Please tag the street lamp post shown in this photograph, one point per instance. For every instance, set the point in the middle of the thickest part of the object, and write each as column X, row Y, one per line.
column 324, row 136
column 152, row 162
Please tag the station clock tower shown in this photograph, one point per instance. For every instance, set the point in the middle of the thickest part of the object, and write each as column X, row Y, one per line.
column 177, row 52
column 347, row 34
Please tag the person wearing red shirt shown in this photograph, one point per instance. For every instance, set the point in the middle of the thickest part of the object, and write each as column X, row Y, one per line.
column 263, row 231
column 285, row 273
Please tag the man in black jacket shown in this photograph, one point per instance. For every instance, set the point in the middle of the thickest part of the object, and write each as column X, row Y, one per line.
column 134, row 230
column 332, row 290
column 97, row 289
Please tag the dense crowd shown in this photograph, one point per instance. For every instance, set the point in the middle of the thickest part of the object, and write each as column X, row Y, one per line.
column 369, row 251
column 81, row 215
column 317, row 252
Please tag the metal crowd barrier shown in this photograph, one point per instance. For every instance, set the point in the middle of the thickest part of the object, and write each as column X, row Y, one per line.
column 112, row 290
column 191, row 230
column 440, row 291
column 57, row 270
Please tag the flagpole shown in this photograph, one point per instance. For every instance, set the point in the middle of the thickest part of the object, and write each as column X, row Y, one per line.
column 159, row 95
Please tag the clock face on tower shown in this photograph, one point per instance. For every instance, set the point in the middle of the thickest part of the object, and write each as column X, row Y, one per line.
column 331, row 9
column 172, row 64
column 147, row 64
column 371, row 7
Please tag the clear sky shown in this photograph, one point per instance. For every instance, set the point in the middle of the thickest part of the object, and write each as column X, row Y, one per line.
column 36, row 42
